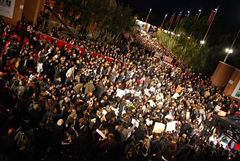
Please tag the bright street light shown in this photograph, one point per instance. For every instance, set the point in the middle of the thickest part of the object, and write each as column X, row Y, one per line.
column 228, row 51
column 202, row 42
column 178, row 35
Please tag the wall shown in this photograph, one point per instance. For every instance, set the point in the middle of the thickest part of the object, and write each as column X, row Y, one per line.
column 17, row 14
column 222, row 74
column 233, row 83
column 31, row 10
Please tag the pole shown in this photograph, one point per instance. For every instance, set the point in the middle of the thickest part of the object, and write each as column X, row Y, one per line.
column 200, row 11
column 210, row 24
column 231, row 46
column 235, row 39
column 148, row 14
column 177, row 22
column 145, row 29
column 73, row 34
column 164, row 20
column 172, row 22
column 226, row 57
column 188, row 13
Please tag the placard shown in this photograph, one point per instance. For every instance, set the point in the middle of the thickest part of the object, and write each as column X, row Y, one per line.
column 158, row 127
column 100, row 133
column 171, row 126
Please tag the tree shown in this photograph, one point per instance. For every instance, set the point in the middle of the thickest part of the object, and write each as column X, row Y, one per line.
column 99, row 16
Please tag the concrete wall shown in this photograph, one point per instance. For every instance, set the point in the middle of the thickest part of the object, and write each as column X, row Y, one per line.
column 222, row 74
column 17, row 14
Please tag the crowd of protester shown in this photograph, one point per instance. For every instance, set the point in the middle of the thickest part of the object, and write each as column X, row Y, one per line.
column 56, row 103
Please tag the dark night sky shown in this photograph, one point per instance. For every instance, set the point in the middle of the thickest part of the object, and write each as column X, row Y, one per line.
column 228, row 13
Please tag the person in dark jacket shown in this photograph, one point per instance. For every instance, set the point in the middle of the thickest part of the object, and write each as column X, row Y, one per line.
column 140, row 133
column 7, row 143
column 57, row 136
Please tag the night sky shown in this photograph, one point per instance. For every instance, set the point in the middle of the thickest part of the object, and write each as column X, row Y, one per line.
column 228, row 13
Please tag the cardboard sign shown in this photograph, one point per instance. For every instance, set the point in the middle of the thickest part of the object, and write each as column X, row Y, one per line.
column 120, row 93
column 171, row 126
column 179, row 89
column 187, row 115
column 175, row 96
column 158, row 127
column 100, row 133
column 222, row 113
column 217, row 108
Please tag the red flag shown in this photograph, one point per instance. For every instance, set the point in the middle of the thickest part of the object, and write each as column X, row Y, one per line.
column 171, row 19
column 177, row 19
column 196, row 18
column 210, row 18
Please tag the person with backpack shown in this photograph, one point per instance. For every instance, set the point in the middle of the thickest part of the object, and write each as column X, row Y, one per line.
column 24, row 132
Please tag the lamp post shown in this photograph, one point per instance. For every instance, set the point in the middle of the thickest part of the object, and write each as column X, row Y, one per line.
column 172, row 17
column 188, row 13
column 180, row 14
column 205, row 36
column 197, row 17
column 164, row 20
column 145, row 29
column 200, row 11
column 230, row 50
column 202, row 42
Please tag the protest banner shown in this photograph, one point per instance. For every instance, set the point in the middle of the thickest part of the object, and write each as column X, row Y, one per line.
column 158, row 127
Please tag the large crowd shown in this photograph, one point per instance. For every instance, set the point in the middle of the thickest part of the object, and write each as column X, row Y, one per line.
column 58, row 105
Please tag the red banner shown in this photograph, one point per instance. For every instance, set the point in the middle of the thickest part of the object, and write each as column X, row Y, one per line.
column 211, row 17
column 171, row 19
column 60, row 43
column 167, row 59
column 196, row 18
column 178, row 18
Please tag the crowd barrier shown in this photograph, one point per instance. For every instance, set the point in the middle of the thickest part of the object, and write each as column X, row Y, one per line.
column 59, row 43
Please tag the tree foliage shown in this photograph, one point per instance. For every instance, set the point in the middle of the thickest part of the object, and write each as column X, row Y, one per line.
column 99, row 15
column 187, row 47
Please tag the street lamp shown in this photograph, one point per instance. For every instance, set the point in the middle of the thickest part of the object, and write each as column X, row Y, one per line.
column 202, row 42
column 164, row 20
column 228, row 51
column 145, row 29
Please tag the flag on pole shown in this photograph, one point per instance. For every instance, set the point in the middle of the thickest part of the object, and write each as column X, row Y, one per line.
column 178, row 18
column 195, row 18
column 211, row 17
column 171, row 19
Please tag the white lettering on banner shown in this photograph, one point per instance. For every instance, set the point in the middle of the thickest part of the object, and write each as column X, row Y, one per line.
column 167, row 59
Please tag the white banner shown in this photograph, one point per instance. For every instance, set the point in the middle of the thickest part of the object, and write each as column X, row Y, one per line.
column 171, row 126
column 7, row 8
column 158, row 127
